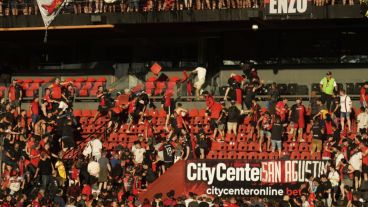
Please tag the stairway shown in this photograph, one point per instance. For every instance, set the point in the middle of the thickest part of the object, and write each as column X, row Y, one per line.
column 172, row 179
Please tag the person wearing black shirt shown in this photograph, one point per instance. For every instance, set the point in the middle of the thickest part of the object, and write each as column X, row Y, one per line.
column 202, row 145
column 317, row 135
column 45, row 169
column 324, row 193
column 168, row 151
column 274, row 95
column 187, row 145
column 276, row 135
column 250, row 93
column 233, row 118
column 67, row 139
column 222, row 121
column 12, row 155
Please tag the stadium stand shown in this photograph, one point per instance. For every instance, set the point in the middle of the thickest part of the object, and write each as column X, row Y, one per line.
column 132, row 130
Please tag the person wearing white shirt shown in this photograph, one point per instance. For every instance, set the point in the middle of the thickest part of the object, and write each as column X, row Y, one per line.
column 338, row 157
column 96, row 145
column 201, row 75
column 356, row 162
column 345, row 109
column 362, row 120
column 334, row 178
column 138, row 152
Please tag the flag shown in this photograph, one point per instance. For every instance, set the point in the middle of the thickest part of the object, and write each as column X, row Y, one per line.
column 49, row 9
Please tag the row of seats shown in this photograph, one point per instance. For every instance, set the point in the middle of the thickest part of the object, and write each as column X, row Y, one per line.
column 85, row 87
column 254, row 146
column 159, row 88
column 262, row 155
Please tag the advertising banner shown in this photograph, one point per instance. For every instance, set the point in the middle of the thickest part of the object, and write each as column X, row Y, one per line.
column 273, row 178
column 288, row 7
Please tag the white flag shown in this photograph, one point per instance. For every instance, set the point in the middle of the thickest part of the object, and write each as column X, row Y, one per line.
column 49, row 9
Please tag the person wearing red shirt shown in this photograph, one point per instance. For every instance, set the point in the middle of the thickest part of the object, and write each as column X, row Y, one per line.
column 180, row 113
column 15, row 95
column 56, row 92
column 34, row 107
column 234, row 90
column 115, row 113
column 281, row 109
column 215, row 115
column 364, row 95
column 255, row 114
column 364, row 148
column 265, row 125
column 327, row 149
column 209, row 100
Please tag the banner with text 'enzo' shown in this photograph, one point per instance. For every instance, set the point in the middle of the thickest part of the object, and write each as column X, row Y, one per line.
column 288, row 7
column 250, row 178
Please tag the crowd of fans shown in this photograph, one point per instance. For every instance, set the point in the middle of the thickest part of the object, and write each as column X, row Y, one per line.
column 36, row 173
column 30, row 7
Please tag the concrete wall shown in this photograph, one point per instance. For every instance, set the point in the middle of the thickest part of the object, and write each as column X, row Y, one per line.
column 303, row 76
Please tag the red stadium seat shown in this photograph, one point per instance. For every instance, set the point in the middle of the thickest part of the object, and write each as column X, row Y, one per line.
column 241, row 155
column 217, row 146
column 83, row 93
column 252, row 156
column 25, row 86
column 101, row 79
column 295, row 155
column 193, row 113
column 93, row 92
column 263, row 156
column 77, row 112
column 77, row 85
column 86, row 112
column 91, row 79
column 304, row 147
column 69, row 79
column 162, row 113
column 222, row 155
column 305, row 156
column 150, row 85
column 87, row 86
column 38, row 80
column 34, row 86
column 30, row 93
column 80, row 79
column 273, row 155
column 212, row 155
column 160, row 86
column 202, row 113
column 315, row 156
column 230, row 137
column 242, row 146
column 47, row 79
column 98, row 84
column 253, row 146
column 28, row 80
column 171, row 85
column 231, row 155
column 151, row 79
column 174, row 79
column 232, row 146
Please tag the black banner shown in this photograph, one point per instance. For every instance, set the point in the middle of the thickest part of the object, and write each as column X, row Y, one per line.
column 288, row 7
